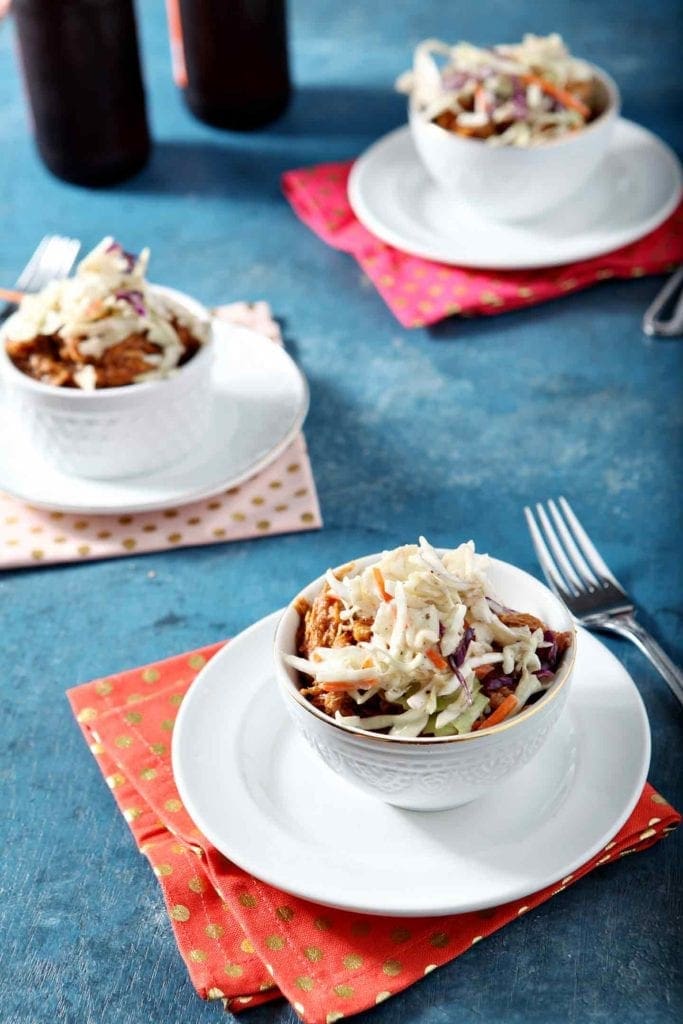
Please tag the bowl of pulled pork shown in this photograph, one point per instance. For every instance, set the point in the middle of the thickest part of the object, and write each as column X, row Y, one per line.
column 513, row 129
column 107, row 375
column 425, row 677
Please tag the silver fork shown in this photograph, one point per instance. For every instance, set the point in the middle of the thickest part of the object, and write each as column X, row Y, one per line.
column 53, row 258
column 577, row 574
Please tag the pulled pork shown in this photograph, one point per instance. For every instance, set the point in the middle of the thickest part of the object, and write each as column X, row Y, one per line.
column 320, row 625
column 54, row 360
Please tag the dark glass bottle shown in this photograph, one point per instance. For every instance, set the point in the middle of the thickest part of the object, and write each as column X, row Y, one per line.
column 82, row 69
column 230, row 58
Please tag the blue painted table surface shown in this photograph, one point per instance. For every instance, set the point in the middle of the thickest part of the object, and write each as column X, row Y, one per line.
column 447, row 431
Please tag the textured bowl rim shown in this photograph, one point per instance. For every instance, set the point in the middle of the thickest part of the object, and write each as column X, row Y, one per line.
column 293, row 692
column 611, row 111
column 14, row 377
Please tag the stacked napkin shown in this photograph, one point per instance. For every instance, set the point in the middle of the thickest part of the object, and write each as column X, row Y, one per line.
column 244, row 942
column 420, row 292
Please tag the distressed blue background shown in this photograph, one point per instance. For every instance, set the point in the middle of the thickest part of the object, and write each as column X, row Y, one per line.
column 448, row 431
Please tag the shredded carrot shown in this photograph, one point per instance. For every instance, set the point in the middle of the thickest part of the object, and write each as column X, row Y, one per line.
column 344, row 686
column 482, row 670
column 436, row 659
column 563, row 96
column 480, row 99
column 10, row 295
column 500, row 714
column 95, row 309
column 333, row 598
column 379, row 580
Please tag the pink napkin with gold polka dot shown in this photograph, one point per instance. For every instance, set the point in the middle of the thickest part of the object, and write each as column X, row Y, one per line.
column 280, row 499
column 420, row 292
column 242, row 941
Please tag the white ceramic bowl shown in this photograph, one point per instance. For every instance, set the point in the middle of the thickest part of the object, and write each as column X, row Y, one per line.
column 114, row 432
column 510, row 183
column 433, row 773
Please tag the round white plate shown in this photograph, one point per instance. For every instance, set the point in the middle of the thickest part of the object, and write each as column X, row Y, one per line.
column 260, row 400
column 265, row 800
column 634, row 189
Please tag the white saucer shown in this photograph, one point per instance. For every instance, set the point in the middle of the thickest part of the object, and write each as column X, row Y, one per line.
column 264, row 799
column 635, row 188
column 260, row 401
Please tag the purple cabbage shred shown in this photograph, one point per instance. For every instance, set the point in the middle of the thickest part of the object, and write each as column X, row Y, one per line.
column 493, row 683
column 460, row 652
column 133, row 298
column 463, row 683
column 454, row 79
column 130, row 258
column 548, row 655
column 544, row 675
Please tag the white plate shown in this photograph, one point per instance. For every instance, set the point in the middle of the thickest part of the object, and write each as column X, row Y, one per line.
column 264, row 799
column 633, row 190
column 260, row 400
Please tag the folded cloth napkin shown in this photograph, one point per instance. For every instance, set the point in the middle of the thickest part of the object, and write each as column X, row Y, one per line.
column 244, row 942
column 280, row 499
column 420, row 292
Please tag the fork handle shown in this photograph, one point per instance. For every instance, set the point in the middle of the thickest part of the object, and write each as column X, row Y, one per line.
column 628, row 627
column 653, row 324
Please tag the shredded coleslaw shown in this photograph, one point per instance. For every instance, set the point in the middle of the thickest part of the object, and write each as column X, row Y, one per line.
column 107, row 301
column 510, row 95
column 435, row 649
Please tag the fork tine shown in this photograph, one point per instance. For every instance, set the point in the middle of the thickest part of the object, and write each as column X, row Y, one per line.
column 578, row 561
column 51, row 266
column 55, row 262
column 546, row 562
column 575, row 585
column 25, row 276
column 590, row 552
column 69, row 253
column 47, row 265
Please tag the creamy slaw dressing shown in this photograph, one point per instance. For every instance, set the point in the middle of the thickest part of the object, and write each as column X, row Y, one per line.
column 106, row 301
column 456, row 78
column 430, row 602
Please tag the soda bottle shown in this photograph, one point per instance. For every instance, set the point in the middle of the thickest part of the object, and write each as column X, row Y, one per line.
column 230, row 59
column 82, row 69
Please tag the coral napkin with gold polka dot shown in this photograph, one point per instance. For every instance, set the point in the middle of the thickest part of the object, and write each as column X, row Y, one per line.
column 421, row 292
column 244, row 942
column 280, row 499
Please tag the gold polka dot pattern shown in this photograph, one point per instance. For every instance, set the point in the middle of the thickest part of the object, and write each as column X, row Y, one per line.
column 280, row 499
column 241, row 941
column 421, row 293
